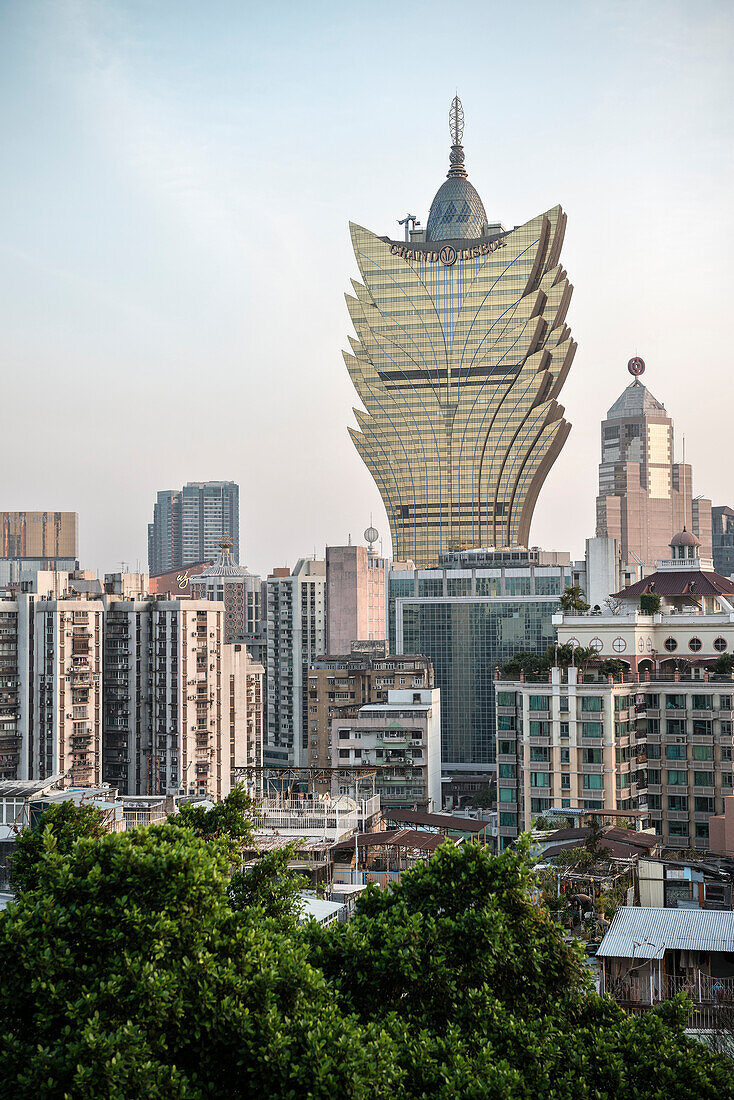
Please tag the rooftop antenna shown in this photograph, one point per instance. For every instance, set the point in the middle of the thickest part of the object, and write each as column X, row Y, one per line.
column 456, row 129
column 406, row 221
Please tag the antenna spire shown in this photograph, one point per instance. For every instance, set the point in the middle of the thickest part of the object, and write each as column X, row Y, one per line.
column 456, row 129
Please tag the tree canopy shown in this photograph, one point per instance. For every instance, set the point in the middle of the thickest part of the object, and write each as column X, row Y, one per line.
column 131, row 969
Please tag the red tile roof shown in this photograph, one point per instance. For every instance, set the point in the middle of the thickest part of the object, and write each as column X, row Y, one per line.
column 688, row 582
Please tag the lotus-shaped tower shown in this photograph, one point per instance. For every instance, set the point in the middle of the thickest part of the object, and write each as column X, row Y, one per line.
column 461, row 351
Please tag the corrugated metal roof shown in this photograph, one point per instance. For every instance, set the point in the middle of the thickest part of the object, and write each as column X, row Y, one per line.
column 647, row 933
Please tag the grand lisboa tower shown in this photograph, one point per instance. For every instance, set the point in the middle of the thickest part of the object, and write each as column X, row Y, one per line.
column 460, row 353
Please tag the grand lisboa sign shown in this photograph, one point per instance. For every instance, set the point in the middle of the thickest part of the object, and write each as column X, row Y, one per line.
column 447, row 254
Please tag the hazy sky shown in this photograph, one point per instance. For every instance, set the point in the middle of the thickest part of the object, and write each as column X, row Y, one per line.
column 176, row 187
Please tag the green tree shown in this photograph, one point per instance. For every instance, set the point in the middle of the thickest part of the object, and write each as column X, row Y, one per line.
column 572, row 599
column 612, row 666
column 269, row 887
column 723, row 665
column 57, row 830
column 127, row 975
column 650, row 603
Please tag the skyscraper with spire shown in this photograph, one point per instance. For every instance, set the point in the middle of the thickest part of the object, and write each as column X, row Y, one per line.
column 460, row 353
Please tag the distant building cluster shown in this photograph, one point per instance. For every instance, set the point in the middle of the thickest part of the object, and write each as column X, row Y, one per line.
column 470, row 671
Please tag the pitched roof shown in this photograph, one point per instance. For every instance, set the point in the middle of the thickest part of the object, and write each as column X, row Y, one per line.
column 693, row 582
column 636, row 400
column 401, row 838
column 646, row 933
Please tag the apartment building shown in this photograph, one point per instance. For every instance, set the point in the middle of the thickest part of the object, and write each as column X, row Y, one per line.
column 241, row 593
column 295, row 636
column 401, row 737
column 339, row 685
column 189, row 523
column 656, row 736
column 142, row 694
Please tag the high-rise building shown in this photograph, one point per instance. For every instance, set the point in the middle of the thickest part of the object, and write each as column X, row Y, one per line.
column 469, row 614
column 37, row 540
column 141, row 693
column 241, row 592
column 339, row 684
column 295, row 636
column 356, row 596
column 722, row 529
column 644, row 496
column 460, row 354
column 189, row 524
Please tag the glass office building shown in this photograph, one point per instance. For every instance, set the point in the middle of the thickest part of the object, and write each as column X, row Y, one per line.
column 460, row 353
column 470, row 614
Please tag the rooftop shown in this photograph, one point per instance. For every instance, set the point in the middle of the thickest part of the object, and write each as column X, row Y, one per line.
column 647, row 933
column 636, row 400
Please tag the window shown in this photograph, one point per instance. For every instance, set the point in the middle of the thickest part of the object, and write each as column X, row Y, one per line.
column 565, row 782
column 564, row 729
column 678, row 828
column 703, row 805
column 677, row 778
column 537, row 753
column 592, row 782
column 703, row 727
column 653, row 701
column 695, row 644
column 507, row 794
column 702, row 702
column 505, row 721
column 675, row 752
column 653, row 752
column 591, row 729
column 677, row 802
column 505, row 698
column 726, row 779
column 539, row 729
column 726, row 752
column 508, row 820
column 702, row 830
column 564, row 704
column 670, row 644
column 653, row 725
column 654, row 801
column 565, row 756
column 653, row 775
column 675, row 702
column 539, row 702
column 506, row 771
column 591, row 756
column 725, row 702
column 703, row 752
column 675, row 727
column 537, row 805
column 539, row 779
column 505, row 748
column 720, row 644
column 623, row 781
column 703, row 779
column 591, row 702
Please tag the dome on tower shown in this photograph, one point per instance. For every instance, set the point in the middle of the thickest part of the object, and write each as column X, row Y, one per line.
column 457, row 212
column 685, row 538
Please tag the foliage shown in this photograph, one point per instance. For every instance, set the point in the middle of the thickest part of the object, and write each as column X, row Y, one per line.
column 572, row 599
column 484, row 799
column 612, row 666
column 529, row 663
column 270, row 887
column 650, row 603
column 127, row 976
column 723, row 665
column 57, row 830
column 232, row 817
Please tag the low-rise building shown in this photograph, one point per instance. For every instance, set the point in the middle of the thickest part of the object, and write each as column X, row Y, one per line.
column 651, row 954
column 402, row 739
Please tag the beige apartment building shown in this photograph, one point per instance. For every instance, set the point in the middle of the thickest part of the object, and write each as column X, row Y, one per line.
column 339, row 685
column 142, row 694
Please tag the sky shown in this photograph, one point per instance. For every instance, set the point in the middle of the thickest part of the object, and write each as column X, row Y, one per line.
column 176, row 185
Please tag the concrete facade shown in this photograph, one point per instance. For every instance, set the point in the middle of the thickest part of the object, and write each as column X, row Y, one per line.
column 356, row 597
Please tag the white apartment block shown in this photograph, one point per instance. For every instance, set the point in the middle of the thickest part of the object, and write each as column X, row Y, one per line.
column 402, row 740
column 296, row 635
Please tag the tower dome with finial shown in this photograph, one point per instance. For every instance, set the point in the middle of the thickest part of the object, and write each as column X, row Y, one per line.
column 457, row 212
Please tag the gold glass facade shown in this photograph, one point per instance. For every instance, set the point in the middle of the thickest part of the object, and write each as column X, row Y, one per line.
column 461, row 351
